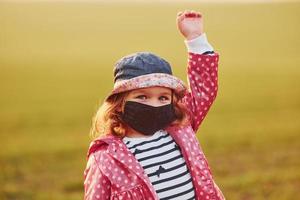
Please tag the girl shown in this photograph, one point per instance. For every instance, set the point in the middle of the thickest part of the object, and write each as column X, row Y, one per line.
column 146, row 147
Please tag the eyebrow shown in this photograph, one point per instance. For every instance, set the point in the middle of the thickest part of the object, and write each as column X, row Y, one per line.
column 166, row 93
column 145, row 92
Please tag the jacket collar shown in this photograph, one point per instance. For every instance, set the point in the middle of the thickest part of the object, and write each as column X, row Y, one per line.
column 114, row 142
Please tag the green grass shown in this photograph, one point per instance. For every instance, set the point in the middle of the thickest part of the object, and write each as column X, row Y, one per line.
column 56, row 63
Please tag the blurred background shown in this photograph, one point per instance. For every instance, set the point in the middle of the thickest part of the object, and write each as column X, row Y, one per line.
column 56, row 62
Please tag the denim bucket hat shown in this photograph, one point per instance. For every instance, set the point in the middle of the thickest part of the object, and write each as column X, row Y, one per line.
column 142, row 70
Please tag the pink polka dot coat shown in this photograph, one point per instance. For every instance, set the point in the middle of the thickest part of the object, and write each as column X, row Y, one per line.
column 113, row 173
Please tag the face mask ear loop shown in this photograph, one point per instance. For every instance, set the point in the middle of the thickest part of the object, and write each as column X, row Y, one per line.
column 172, row 98
column 172, row 103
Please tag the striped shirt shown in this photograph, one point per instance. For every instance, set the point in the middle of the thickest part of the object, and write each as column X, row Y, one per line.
column 164, row 164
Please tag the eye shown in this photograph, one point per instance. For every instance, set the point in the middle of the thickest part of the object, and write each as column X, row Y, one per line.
column 142, row 97
column 163, row 98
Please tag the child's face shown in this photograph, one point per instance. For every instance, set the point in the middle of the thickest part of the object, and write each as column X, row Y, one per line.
column 153, row 96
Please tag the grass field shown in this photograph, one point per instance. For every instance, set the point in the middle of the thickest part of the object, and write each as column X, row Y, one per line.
column 56, row 66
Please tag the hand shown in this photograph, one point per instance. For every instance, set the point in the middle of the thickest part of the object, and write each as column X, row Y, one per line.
column 190, row 24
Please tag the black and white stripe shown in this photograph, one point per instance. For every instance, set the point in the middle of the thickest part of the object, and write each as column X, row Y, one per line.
column 164, row 164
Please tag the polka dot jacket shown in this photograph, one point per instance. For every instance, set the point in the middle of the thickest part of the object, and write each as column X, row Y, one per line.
column 113, row 172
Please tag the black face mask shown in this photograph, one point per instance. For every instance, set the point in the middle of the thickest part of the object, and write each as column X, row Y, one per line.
column 147, row 119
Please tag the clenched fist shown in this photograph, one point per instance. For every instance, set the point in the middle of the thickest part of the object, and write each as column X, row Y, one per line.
column 190, row 24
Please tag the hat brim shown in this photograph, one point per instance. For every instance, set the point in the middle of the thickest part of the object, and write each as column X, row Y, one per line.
column 150, row 80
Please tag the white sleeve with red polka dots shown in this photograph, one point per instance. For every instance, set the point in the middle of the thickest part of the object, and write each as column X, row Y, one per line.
column 202, row 73
column 96, row 185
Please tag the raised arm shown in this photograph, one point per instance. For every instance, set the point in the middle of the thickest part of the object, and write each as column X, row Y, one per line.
column 202, row 69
